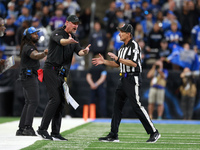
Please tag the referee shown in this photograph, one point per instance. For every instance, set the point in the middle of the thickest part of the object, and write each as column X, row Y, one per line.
column 129, row 61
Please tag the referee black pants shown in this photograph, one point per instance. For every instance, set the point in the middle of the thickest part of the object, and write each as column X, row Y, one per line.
column 31, row 94
column 129, row 88
column 55, row 106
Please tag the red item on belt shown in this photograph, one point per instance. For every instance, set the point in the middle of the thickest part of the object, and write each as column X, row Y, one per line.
column 40, row 75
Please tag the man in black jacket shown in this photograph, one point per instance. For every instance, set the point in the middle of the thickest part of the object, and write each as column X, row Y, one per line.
column 62, row 45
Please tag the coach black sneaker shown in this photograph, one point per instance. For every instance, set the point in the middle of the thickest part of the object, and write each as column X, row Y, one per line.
column 154, row 137
column 58, row 137
column 20, row 132
column 29, row 131
column 44, row 134
column 109, row 138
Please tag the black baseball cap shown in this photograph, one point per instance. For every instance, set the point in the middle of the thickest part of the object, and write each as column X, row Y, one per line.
column 73, row 18
column 126, row 28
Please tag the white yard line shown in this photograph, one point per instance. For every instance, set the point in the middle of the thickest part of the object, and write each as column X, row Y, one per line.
column 8, row 140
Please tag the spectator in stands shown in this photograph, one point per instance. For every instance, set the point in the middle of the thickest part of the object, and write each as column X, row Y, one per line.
column 135, row 3
column 2, row 10
column 163, row 53
column 139, row 33
column 147, row 23
column 173, row 36
column 96, row 78
column 43, row 35
column 29, row 4
column 37, row 7
column 114, row 21
column 29, row 78
column 158, row 77
column 187, row 20
column 2, row 27
column 110, row 13
column 197, row 8
column 188, row 92
column 11, row 29
column 98, row 40
column 46, row 16
column 154, row 7
column 169, row 5
column 115, row 42
column 145, row 5
column 120, row 4
column 25, row 15
column 142, row 45
column 160, row 18
column 137, row 16
column 128, row 11
column 195, row 35
column 20, row 31
column 155, row 37
column 11, row 10
column 170, row 17
column 85, row 20
column 58, row 20
column 72, row 7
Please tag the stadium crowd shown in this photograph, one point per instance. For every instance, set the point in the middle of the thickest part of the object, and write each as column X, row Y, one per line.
column 176, row 21
column 166, row 30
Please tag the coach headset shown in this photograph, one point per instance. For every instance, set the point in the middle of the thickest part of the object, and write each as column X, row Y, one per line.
column 29, row 31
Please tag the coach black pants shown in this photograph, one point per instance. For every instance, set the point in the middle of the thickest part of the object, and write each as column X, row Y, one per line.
column 55, row 106
column 129, row 88
column 31, row 94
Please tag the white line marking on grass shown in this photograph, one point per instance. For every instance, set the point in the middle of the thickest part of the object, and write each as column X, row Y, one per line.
column 11, row 142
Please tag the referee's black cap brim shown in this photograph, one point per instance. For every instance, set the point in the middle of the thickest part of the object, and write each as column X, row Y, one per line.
column 126, row 28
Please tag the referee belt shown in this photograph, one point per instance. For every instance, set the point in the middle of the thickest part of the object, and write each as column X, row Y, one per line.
column 129, row 74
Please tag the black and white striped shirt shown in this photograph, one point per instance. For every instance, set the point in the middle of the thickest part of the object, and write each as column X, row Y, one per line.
column 131, row 51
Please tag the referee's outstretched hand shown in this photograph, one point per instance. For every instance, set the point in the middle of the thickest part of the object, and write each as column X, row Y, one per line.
column 112, row 55
column 98, row 61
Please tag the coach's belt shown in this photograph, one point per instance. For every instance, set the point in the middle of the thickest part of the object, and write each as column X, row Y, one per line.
column 129, row 74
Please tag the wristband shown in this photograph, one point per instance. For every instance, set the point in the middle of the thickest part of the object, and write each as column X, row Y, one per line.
column 117, row 60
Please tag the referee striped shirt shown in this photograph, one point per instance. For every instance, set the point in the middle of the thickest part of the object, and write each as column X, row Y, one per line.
column 131, row 51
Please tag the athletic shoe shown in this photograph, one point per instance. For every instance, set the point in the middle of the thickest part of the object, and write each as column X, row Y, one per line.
column 154, row 137
column 29, row 131
column 109, row 138
column 44, row 134
column 58, row 137
column 20, row 132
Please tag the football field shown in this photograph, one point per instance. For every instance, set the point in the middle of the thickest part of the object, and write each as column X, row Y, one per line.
column 175, row 135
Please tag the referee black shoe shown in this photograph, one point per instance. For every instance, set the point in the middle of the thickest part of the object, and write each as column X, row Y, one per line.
column 109, row 138
column 58, row 137
column 154, row 137
column 44, row 134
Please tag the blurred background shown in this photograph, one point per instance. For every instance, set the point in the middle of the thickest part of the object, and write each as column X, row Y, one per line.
column 166, row 30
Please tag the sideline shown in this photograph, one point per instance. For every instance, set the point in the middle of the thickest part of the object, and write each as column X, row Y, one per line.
column 197, row 122
column 11, row 142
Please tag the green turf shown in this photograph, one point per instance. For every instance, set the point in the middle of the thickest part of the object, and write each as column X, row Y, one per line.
column 131, row 136
column 8, row 119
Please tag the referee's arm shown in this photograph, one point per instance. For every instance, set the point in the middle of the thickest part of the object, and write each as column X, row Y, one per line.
column 127, row 62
